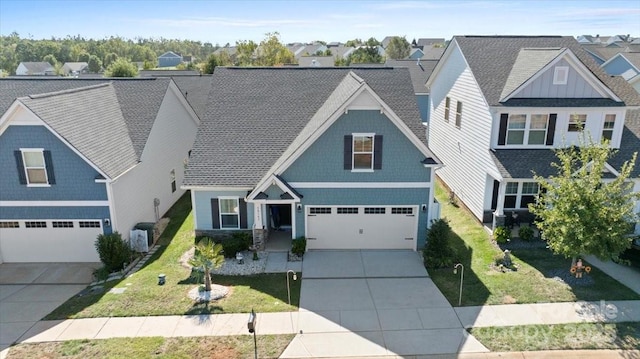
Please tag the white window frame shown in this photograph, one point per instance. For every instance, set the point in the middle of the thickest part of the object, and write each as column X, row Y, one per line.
column 519, row 193
column 560, row 75
column 606, row 129
column 527, row 129
column 23, row 151
column 458, row 114
column 220, row 213
column 572, row 122
column 447, row 108
column 354, row 153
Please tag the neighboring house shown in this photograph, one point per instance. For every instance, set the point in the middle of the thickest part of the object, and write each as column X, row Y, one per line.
column 231, row 51
column 429, row 42
column 86, row 157
column 35, row 69
column 316, row 61
column 169, row 59
column 309, row 50
column 75, row 68
column 500, row 105
column 415, row 54
column 167, row 73
column 432, row 53
column 420, row 70
column 385, row 42
column 337, row 155
column 334, row 44
column 627, row 65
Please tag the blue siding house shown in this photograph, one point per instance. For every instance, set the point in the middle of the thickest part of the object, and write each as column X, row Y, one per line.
column 169, row 59
column 343, row 163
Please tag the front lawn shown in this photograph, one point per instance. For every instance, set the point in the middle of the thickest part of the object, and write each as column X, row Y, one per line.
column 142, row 295
column 229, row 347
column 533, row 282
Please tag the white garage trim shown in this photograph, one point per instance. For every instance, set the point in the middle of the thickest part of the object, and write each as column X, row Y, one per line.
column 360, row 184
column 362, row 226
column 54, row 203
column 49, row 240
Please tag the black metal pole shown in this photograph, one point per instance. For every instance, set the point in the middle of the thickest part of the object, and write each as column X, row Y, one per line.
column 255, row 345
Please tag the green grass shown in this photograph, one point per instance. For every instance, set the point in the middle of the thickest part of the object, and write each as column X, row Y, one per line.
column 231, row 347
column 143, row 296
column 624, row 336
column 484, row 285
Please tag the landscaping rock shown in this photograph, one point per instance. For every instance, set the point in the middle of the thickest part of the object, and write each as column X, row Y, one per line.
column 217, row 292
column 563, row 275
column 231, row 265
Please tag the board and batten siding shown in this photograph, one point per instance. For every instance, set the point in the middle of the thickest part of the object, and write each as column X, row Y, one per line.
column 202, row 211
column 169, row 142
column 465, row 150
column 543, row 87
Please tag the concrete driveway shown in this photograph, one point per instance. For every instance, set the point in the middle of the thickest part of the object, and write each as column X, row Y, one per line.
column 373, row 303
column 30, row 291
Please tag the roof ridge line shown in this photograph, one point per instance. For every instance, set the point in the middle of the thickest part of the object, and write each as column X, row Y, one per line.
column 63, row 92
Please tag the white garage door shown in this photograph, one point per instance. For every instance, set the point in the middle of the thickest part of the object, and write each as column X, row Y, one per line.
column 49, row 240
column 361, row 227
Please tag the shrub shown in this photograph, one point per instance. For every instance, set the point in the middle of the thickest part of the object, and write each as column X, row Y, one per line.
column 239, row 241
column 502, row 234
column 299, row 246
column 438, row 253
column 525, row 233
column 113, row 251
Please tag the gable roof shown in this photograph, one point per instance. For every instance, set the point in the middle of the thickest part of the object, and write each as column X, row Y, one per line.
column 90, row 120
column 418, row 70
column 75, row 66
column 37, row 67
column 633, row 58
column 316, row 61
column 491, row 59
column 255, row 114
column 170, row 54
column 527, row 64
column 196, row 90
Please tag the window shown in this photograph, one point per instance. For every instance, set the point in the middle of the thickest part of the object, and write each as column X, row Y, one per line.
column 35, row 224
column 62, row 224
column 577, row 123
column 229, row 213
column 560, row 75
column 89, row 224
column 9, row 224
column 319, row 210
column 607, row 128
column 363, row 152
column 516, row 129
column 347, row 210
column 374, row 210
column 34, row 167
column 532, row 130
column 172, row 177
column 538, row 129
column 459, row 114
column 520, row 194
column 447, row 107
column 402, row 210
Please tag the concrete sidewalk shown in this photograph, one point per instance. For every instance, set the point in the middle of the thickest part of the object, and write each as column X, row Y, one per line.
column 626, row 275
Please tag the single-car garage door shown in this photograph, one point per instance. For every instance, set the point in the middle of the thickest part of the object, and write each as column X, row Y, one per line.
column 49, row 240
column 361, row 227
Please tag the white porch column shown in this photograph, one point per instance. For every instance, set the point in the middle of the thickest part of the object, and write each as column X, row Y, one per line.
column 257, row 215
column 293, row 220
column 502, row 191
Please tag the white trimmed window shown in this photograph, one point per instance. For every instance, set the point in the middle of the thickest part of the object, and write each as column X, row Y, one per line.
column 459, row 114
column 518, row 195
column 527, row 129
column 560, row 75
column 607, row 128
column 229, row 213
column 34, row 166
column 447, row 108
column 577, row 122
column 363, row 151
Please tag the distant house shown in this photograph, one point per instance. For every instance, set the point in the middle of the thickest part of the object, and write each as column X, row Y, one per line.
column 419, row 70
column 35, row 69
column 309, row 50
column 385, row 42
column 316, row 61
column 415, row 54
column 627, row 65
column 334, row 44
column 75, row 68
column 188, row 59
column 429, row 42
column 169, row 59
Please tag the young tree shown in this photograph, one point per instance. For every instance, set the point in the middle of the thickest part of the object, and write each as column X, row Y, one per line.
column 208, row 256
column 245, row 52
column 211, row 64
column 365, row 55
column 50, row 59
column 581, row 213
column 272, row 52
column 121, row 68
column 95, row 64
column 398, row 48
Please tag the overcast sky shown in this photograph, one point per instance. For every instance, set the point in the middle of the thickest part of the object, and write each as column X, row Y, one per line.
column 303, row 21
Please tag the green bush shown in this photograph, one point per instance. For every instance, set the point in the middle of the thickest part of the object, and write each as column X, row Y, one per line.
column 438, row 253
column 239, row 241
column 299, row 246
column 502, row 234
column 525, row 233
column 113, row 251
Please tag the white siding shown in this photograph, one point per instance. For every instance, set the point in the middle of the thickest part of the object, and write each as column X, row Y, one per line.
column 22, row 70
column 464, row 151
column 169, row 142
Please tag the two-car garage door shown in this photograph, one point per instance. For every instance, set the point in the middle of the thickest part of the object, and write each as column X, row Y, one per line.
column 361, row 227
column 49, row 240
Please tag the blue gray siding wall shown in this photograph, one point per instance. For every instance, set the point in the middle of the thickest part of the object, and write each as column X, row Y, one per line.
column 366, row 196
column 423, row 106
column 75, row 178
column 323, row 161
column 202, row 207
column 543, row 86
column 617, row 66
column 169, row 61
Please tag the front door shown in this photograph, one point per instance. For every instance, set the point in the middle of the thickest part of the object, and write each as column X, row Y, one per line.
column 280, row 216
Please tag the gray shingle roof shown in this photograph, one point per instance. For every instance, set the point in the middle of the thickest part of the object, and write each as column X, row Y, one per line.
column 427, row 42
column 139, row 99
column 196, row 90
column 432, row 53
column 315, row 61
column 90, row 120
column 528, row 63
column 37, row 67
column 418, row 70
column 491, row 59
column 255, row 114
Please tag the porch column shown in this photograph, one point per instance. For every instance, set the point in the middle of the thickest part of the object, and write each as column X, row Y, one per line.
column 293, row 220
column 498, row 215
column 257, row 215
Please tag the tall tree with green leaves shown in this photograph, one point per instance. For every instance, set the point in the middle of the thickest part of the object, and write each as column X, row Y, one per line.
column 121, row 68
column 365, row 55
column 398, row 48
column 50, row 59
column 208, row 256
column 245, row 52
column 579, row 211
column 272, row 52
column 95, row 64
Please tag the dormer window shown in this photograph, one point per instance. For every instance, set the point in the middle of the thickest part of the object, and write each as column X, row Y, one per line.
column 607, row 129
column 577, row 123
column 560, row 75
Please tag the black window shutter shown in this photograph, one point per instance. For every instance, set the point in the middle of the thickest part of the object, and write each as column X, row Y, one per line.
column 243, row 213
column 377, row 152
column 348, row 148
column 22, row 177
column 47, row 161
column 502, row 135
column 215, row 213
column 551, row 131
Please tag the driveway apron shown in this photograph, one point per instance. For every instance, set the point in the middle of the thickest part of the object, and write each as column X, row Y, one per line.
column 373, row 303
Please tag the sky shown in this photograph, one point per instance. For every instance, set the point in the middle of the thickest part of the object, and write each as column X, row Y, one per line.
column 221, row 22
